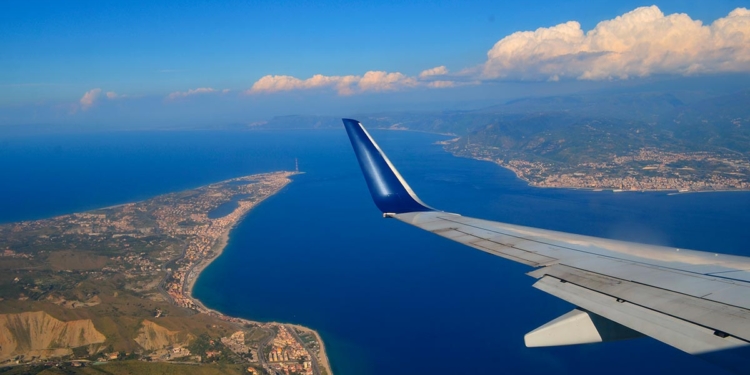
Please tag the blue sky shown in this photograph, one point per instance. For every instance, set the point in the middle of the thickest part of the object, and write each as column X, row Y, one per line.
column 52, row 53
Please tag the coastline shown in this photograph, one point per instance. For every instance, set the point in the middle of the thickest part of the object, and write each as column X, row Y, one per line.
column 418, row 131
column 221, row 243
column 217, row 249
column 323, row 356
column 601, row 189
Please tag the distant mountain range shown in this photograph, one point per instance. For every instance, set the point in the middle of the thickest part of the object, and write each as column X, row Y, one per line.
column 581, row 127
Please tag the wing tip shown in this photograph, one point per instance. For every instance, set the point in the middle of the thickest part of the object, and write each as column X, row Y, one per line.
column 388, row 189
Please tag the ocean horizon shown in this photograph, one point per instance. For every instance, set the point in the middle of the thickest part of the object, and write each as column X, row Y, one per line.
column 385, row 297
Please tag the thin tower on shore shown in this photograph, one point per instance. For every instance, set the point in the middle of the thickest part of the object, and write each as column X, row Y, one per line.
column 296, row 165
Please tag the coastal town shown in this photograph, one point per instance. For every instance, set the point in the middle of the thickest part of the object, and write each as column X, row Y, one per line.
column 648, row 169
column 131, row 268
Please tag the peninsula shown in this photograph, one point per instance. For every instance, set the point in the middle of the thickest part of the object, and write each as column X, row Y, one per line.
column 110, row 288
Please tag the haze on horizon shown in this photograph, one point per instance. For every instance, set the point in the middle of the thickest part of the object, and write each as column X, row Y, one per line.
column 152, row 62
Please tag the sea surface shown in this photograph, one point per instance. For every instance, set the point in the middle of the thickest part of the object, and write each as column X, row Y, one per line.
column 387, row 298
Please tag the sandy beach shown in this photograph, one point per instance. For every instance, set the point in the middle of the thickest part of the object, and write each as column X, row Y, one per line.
column 323, row 357
column 218, row 248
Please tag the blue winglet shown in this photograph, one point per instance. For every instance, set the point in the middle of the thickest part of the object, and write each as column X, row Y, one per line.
column 389, row 190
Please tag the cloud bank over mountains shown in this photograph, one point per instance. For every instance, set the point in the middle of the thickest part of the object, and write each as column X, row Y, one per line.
column 372, row 81
column 639, row 43
column 93, row 96
column 375, row 81
column 191, row 92
column 89, row 98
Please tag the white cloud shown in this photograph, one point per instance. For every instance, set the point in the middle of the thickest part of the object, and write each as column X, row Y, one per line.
column 271, row 83
column 372, row 81
column 384, row 81
column 637, row 44
column 441, row 84
column 435, row 78
column 89, row 98
column 184, row 94
column 436, row 71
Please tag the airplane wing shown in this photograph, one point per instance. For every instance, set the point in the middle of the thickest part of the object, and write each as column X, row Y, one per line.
column 695, row 301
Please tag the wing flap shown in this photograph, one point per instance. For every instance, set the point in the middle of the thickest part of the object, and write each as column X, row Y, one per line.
column 681, row 334
column 709, row 314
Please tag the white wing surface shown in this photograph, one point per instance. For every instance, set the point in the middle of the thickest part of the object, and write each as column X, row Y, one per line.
column 695, row 301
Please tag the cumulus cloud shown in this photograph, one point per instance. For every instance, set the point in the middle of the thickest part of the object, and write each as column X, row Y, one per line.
column 441, row 84
column 191, row 92
column 371, row 81
column 344, row 85
column 275, row 83
column 436, row 71
column 637, row 44
column 436, row 78
column 89, row 98
column 383, row 81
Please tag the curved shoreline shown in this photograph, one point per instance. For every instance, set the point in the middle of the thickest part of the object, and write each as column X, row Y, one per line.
column 217, row 249
column 322, row 357
column 598, row 189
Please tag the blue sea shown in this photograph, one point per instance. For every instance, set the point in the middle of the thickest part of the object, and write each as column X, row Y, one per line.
column 387, row 298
